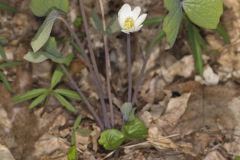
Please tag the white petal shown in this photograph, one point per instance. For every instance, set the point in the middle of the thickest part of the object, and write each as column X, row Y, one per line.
column 138, row 28
column 135, row 13
column 122, row 18
column 125, row 31
column 140, row 20
column 125, row 8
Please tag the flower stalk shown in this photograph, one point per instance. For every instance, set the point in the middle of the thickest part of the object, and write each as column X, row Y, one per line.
column 129, row 66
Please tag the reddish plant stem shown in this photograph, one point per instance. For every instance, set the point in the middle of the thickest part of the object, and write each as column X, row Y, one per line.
column 94, row 63
column 108, row 65
column 88, row 63
column 129, row 66
column 85, row 100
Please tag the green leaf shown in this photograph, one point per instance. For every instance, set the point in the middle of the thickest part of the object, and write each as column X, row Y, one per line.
column 78, row 22
column 41, row 8
column 113, row 27
column 204, row 13
column 156, row 40
column 72, row 153
column 77, row 123
column 172, row 21
column 111, row 139
column 127, row 111
column 53, row 53
column 29, row 95
column 2, row 53
column 223, row 33
column 96, row 21
column 65, row 103
column 196, row 46
column 68, row 93
column 37, row 57
column 153, row 21
column 7, row 7
column 38, row 100
column 68, row 59
column 56, row 78
column 6, row 84
column 9, row 64
column 135, row 129
column 237, row 158
column 44, row 31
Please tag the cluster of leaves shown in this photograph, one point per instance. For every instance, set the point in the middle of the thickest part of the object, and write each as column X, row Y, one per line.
column 41, row 94
column 133, row 129
column 196, row 13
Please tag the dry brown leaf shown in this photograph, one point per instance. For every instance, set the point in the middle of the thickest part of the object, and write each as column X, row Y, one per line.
column 156, row 139
column 234, row 147
column 175, row 109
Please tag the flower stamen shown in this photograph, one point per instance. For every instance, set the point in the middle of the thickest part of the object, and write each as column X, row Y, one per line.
column 129, row 23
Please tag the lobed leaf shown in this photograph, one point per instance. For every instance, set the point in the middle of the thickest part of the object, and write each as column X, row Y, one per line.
column 172, row 21
column 41, row 8
column 111, row 139
column 204, row 13
column 135, row 129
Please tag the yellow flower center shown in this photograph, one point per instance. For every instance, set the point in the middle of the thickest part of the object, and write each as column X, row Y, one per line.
column 129, row 23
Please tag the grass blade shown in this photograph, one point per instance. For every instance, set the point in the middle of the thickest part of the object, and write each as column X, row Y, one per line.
column 68, row 93
column 65, row 103
column 29, row 95
column 6, row 83
column 38, row 100
column 56, row 78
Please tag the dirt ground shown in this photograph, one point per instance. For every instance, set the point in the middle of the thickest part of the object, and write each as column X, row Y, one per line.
column 189, row 117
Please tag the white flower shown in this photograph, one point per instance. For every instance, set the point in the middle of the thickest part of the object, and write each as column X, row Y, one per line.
column 130, row 20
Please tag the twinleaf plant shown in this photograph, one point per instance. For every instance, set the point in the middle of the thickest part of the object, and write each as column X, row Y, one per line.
column 40, row 95
column 196, row 13
column 191, row 14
